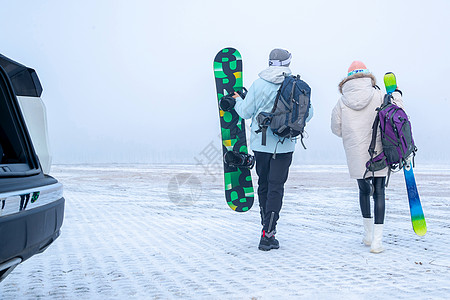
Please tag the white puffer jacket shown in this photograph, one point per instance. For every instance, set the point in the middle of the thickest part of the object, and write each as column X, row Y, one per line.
column 352, row 119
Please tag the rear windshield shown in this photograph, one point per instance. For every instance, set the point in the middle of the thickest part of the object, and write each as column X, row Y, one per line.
column 17, row 157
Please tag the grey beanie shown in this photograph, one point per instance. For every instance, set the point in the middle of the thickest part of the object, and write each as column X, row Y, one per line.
column 279, row 57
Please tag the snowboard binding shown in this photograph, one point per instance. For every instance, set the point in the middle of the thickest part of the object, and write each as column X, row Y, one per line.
column 239, row 159
column 227, row 102
column 242, row 93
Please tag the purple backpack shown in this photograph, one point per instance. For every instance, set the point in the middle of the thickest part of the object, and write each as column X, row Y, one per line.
column 396, row 137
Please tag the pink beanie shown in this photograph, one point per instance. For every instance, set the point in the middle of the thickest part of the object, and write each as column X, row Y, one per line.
column 357, row 67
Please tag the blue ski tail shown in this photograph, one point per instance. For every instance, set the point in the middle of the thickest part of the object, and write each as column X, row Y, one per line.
column 417, row 216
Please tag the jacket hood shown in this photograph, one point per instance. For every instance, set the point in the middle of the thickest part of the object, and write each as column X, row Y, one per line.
column 274, row 74
column 357, row 90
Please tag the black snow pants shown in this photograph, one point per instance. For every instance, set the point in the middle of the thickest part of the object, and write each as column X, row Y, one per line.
column 272, row 175
column 378, row 184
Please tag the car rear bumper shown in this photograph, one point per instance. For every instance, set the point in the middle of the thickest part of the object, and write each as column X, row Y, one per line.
column 32, row 228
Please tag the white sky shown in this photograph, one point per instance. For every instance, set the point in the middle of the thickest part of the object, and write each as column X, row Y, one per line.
column 132, row 81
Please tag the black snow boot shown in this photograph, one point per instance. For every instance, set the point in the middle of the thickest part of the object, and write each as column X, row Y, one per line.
column 268, row 241
column 239, row 159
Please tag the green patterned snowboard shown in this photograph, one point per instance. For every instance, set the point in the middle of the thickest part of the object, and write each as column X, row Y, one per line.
column 238, row 181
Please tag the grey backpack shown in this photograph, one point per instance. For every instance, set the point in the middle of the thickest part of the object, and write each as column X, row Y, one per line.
column 290, row 111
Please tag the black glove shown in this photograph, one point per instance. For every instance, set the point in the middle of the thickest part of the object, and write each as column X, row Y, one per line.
column 227, row 102
column 242, row 93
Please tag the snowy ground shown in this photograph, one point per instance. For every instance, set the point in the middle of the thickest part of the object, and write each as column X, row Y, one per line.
column 129, row 233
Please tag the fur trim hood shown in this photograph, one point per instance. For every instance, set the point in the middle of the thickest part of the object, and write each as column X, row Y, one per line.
column 355, row 76
column 357, row 90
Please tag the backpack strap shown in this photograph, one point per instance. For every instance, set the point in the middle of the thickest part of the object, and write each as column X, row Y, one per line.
column 388, row 176
column 276, row 99
column 374, row 139
column 387, row 99
column 301, row 140
column 274, row 156
column 374, row 135
column 263, row 130
column 264, row 136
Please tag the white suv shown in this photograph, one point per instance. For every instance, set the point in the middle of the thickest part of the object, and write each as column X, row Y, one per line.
column 31, row 201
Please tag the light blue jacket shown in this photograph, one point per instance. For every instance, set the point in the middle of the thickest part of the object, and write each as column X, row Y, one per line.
column 261, row 98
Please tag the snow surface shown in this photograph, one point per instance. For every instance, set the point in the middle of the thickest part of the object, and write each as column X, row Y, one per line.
column 126, row 235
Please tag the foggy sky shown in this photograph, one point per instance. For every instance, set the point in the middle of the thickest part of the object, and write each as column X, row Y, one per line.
column 132, row 81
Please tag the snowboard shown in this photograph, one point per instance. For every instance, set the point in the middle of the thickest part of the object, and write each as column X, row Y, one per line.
column 415, row 207
column 239, row 192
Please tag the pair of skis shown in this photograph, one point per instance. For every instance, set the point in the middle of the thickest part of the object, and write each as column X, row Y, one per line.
column 417, row 216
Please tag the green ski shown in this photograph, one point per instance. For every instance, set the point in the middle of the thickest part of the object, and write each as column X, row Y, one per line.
column 417, row 217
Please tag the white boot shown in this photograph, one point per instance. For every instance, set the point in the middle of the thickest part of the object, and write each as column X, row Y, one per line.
column 377, row 245
column 368, row 231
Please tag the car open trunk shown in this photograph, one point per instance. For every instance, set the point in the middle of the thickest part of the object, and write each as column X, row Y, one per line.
column 31, row 202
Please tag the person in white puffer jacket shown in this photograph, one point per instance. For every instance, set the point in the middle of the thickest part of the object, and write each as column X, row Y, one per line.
column 352, row 119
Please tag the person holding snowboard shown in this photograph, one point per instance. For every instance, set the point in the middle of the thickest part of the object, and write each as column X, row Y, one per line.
column 352, row 119
column 272, row 169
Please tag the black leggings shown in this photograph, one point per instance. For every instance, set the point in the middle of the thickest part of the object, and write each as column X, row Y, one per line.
column 378, row 184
